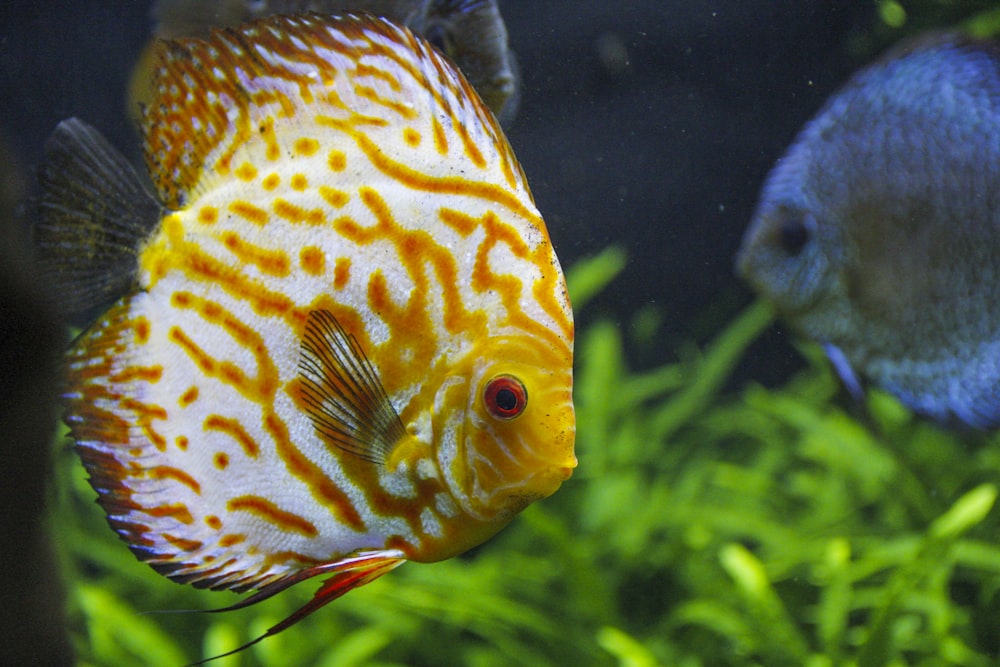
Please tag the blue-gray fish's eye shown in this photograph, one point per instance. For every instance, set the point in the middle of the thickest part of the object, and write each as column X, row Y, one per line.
column 794, row 232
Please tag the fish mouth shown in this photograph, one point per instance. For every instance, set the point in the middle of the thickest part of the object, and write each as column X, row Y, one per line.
column 764, row 271
column 560, row 463
column 564, row 470
column 541, row 485
column 556, row 475
column 547, row 481
column 533, row 480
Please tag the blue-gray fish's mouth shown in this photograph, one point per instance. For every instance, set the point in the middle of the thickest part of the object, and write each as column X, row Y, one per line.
column 793, row 284
column 757, row 265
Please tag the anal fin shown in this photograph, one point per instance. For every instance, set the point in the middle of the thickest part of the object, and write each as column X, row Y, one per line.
column 348, row 573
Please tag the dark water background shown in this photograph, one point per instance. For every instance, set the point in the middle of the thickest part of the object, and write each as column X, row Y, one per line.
column 645, row 124
column 648, row 124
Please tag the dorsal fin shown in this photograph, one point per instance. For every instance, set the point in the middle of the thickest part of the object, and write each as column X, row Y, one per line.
column 344, row 396
column 93, row 214
column 268, row 79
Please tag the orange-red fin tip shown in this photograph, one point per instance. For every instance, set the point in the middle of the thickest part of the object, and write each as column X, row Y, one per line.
column 348, row 574
column 343, row 394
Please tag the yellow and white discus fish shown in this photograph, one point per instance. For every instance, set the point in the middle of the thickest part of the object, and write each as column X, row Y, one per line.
column 471, row 32
column 345, row 339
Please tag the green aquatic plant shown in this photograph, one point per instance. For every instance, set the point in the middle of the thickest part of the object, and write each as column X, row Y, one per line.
column 706, row 525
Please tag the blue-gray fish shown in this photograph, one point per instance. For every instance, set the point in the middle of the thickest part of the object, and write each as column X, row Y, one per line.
column 471, row 32
column 878, row 232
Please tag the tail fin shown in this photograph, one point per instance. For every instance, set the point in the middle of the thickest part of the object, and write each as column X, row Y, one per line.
column 93, row 215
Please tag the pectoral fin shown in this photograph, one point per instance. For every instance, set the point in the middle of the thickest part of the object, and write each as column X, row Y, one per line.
column 343, row 393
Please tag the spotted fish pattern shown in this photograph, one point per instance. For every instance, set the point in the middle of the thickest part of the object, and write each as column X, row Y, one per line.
column 347, row 340
column 471, row 32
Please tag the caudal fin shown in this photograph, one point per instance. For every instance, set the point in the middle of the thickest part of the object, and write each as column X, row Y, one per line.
column 93, row 214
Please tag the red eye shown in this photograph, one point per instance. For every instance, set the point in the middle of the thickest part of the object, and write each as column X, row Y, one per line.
column 505, row 397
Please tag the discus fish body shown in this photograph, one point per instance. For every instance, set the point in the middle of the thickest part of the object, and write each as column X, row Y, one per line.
column 878, row 232
column 471, row 32
column 345, row 340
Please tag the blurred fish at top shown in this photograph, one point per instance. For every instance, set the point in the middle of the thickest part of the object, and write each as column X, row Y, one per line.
column 878, row 232
column 470, row 32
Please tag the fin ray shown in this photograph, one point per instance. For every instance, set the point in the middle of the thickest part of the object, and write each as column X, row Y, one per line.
column 348, row 573
column 345, row 399
column 93, row 215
